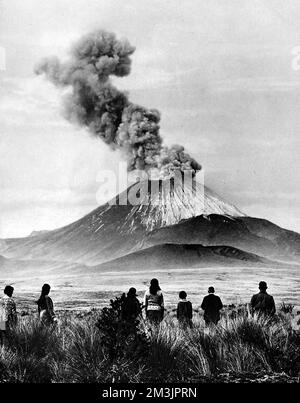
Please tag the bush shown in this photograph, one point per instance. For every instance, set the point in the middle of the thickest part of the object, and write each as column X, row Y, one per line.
column 121, row 338
column 286, row 308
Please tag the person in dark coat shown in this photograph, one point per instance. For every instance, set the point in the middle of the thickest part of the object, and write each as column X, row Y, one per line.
column 211, row 305
column 184, row 311
column 263, row 303
column 131, row 308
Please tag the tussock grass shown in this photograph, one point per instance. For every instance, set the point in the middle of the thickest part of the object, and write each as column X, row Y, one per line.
column 76, row 350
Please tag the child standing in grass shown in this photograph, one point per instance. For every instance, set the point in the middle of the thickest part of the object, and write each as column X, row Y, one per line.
column 184, row 311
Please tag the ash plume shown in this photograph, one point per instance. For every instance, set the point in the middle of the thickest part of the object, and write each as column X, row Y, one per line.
column 106, row 112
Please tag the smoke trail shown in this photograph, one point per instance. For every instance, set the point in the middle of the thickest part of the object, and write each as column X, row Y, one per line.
column 107, row 112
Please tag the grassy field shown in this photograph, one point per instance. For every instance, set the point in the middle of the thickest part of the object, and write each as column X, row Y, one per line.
column 95, row 346
column 239, row 349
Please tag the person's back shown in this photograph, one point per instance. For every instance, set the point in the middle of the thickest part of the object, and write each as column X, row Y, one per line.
column 211, row 305
column 46, row 311
column 262, row 302
column 184, row 310
column 154, row 302
column 131, row 307
column 43, row 303
column 45, row 306
column 9, row 314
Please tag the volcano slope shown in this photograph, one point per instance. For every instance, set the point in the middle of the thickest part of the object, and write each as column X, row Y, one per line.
column 178, row 256
column 164, row 212
column 252, row 235
column 116, row 228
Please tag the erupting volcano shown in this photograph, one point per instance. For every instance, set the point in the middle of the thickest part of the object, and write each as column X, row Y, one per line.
column 167, row 222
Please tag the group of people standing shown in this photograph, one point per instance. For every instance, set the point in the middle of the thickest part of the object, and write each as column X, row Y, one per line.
column 261, row 303
column 154, row 306
column 8, row 311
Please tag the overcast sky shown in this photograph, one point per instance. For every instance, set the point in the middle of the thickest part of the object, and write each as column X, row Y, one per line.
column 221, row 73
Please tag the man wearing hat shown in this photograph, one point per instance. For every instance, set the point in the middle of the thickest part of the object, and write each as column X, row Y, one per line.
column 211, row 305
column 263, row 303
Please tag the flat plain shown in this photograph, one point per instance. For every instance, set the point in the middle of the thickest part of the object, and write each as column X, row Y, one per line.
column 87, row 289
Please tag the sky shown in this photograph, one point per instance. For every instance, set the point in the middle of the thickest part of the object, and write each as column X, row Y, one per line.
column 224, row 75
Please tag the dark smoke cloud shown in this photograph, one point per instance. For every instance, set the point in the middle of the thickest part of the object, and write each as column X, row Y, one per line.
column 107, row 112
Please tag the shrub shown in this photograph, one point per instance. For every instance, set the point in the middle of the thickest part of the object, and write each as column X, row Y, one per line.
column 286, row 308
column 120, row 338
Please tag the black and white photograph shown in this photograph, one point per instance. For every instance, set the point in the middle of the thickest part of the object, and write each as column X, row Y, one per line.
column 149, row 194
